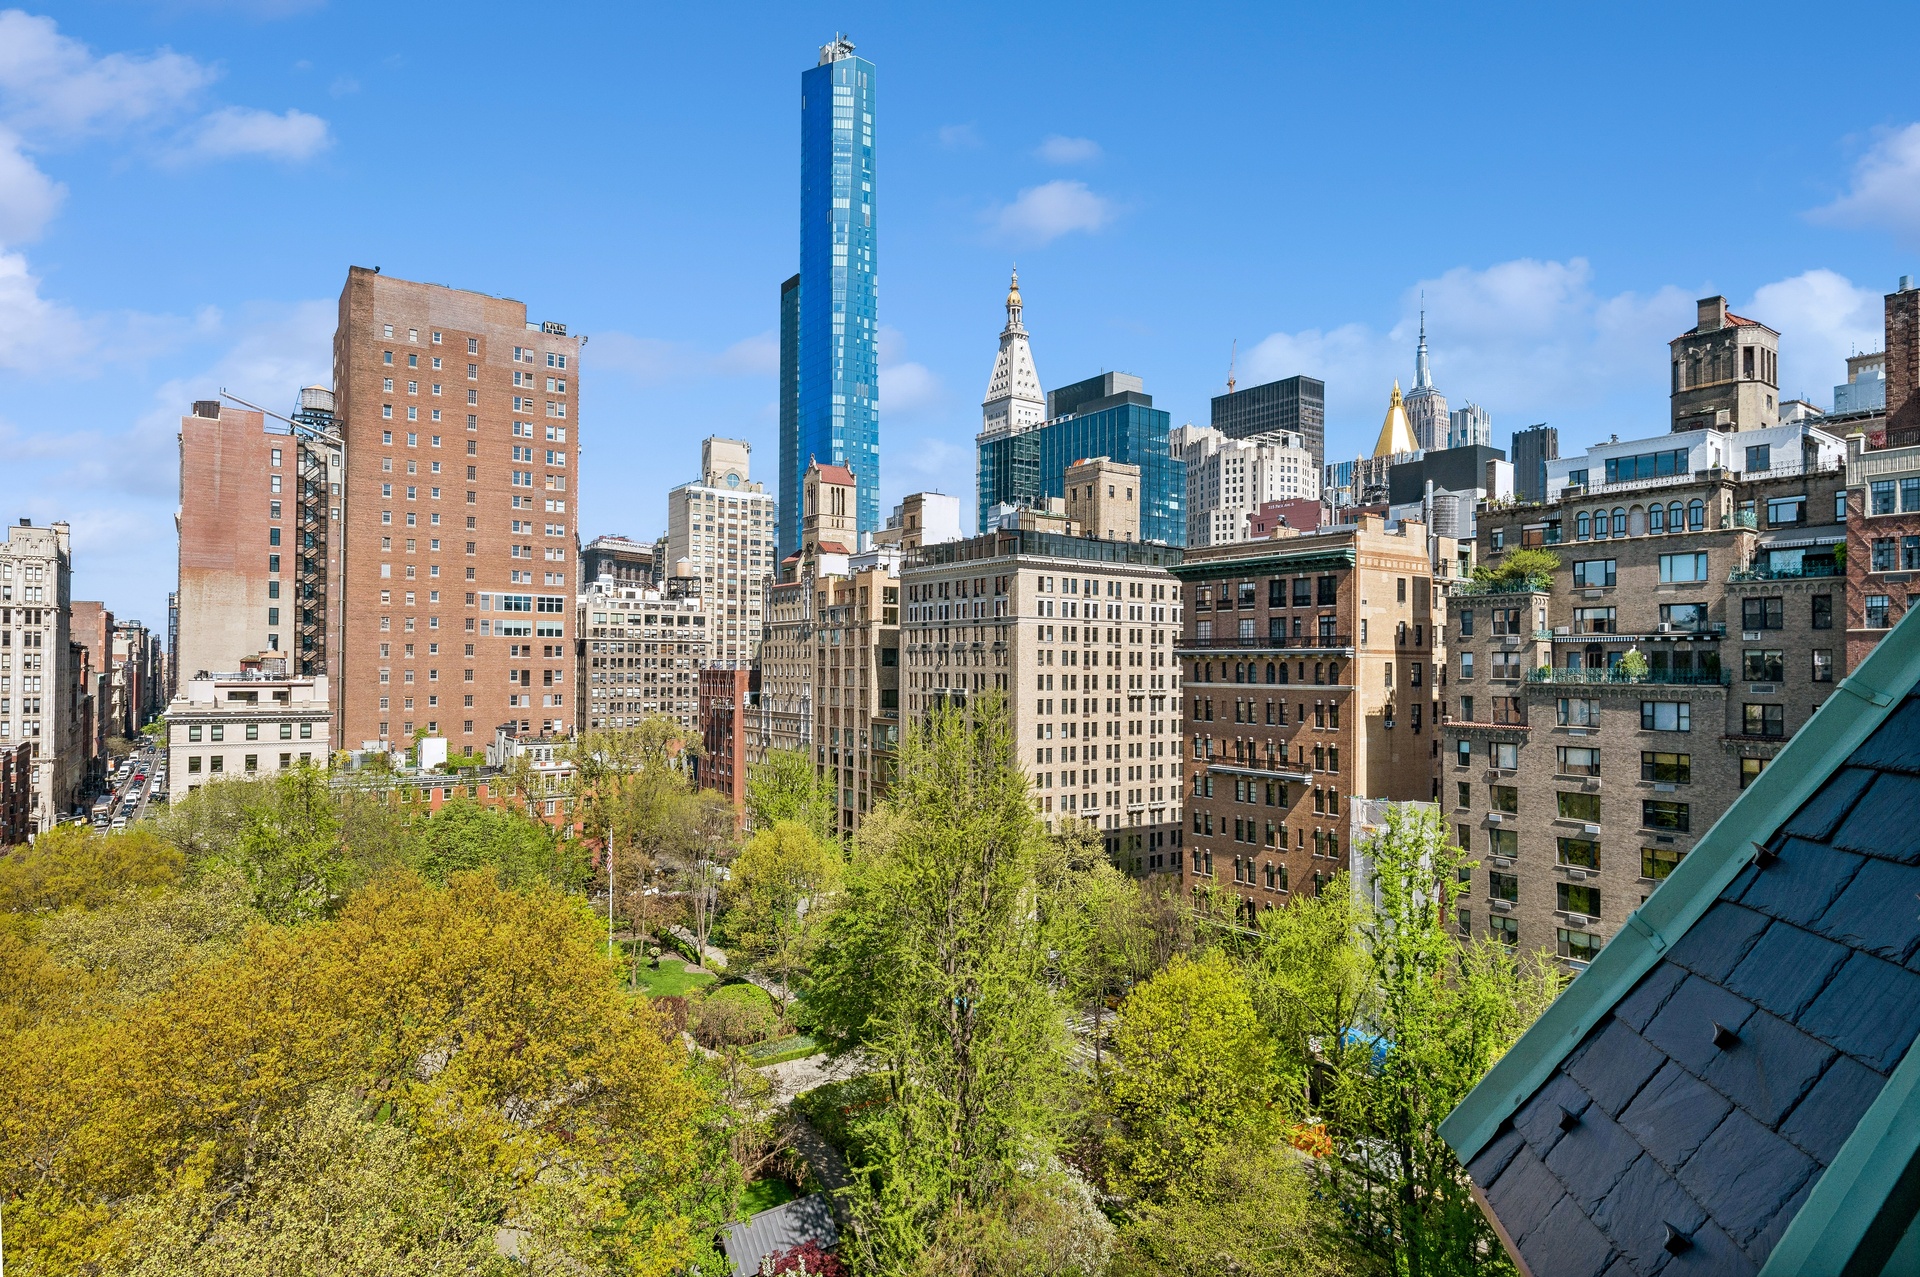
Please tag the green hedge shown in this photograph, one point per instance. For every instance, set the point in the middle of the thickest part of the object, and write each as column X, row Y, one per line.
column 780, row 1050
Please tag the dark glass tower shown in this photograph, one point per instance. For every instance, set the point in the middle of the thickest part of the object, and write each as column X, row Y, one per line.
column 833, row 349
column 1296, row 404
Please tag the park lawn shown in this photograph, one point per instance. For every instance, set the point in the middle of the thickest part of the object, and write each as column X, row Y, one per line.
column 764, row 1194
column 672, row 979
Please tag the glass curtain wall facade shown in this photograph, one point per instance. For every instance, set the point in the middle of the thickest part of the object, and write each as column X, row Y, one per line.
column 836, row 350
column 1294, row 404
column 1009, row 472
column 787, row 539
column 1134, row 434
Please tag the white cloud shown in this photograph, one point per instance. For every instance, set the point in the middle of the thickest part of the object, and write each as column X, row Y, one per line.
column 28, row 197
column 343, row 86
column 1043, row 213
column 910, row 390
column 236, row 131
column 960, row 137
column 653, row 360
column 1534, row 341
column 1822, row 317
column 1886, row 187
column 1528, row 340
column 53, row 82
column 1055, row 149
column 34, row 332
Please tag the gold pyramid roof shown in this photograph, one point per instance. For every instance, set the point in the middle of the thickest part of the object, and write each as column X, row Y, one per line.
column 1396, row 433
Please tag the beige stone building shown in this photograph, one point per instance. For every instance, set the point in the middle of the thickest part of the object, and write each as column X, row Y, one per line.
column 830, row 664
column 1078, row 634
column 1103, row 498
column 457, row 580
column 43, row 699
column 245, row 724
column 644, row 650
column 1312, row 662
column 1579, row 781
column 720, row 539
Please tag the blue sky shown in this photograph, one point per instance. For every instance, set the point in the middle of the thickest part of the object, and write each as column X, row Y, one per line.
column 183, row 185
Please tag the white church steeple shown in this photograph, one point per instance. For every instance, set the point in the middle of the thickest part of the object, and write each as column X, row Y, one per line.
column 1014, row 399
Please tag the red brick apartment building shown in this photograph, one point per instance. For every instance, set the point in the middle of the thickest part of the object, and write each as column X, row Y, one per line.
column 457, row 584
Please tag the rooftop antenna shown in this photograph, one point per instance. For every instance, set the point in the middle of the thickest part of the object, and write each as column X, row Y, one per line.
column 1231, row 360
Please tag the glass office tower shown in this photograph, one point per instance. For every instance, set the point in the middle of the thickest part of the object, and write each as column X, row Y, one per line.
column 1110, row 415
column 836, row 374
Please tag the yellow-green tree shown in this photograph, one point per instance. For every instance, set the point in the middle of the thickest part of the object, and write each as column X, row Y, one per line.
column 777, row 894
column 481, row 1023
column 1191, row 1077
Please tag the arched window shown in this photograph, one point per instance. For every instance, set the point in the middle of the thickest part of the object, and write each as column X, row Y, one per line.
column 1696, row 515
column 1269, row 671
column 1674, row 518
column 1333, row 672
column 1619, row 522
column 1599, row 525
column 1657, row 519
column 1239, row 672
column 1283, row 672
column 1582, row 526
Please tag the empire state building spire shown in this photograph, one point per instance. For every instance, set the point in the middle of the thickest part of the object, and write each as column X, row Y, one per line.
column 1422, row 375
column 1426, row 407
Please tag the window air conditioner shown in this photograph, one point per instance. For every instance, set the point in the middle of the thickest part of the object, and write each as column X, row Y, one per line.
column 1503, row 906
column 1577, row 920
column 1592, row 829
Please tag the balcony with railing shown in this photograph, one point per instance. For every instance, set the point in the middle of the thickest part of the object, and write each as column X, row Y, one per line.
column 1759, row 572
column 1560, row 674
column 1474, row 589
column 1266, row 643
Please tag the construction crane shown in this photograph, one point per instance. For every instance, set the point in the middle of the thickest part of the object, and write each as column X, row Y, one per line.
column 1232, row 359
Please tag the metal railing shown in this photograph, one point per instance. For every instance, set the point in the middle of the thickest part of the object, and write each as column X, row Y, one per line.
column 1758, row 573
column 1532, row 585
column 1560, row 674
column 1266, row 643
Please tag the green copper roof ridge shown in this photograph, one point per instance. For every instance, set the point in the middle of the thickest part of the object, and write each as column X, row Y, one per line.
column 1852, row 713
column 1188, row 569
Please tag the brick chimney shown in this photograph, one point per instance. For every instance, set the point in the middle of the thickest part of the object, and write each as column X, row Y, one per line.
column 1712, row 314
column 1903, row 356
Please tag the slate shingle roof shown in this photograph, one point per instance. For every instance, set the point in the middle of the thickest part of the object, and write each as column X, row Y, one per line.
column 783, row 1227
column 1652, row 1147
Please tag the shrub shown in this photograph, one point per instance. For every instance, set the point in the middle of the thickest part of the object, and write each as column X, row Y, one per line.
column 732, row 1015
column 809, row 1257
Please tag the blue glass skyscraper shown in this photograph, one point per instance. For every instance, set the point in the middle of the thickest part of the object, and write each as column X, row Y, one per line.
column 828, row 349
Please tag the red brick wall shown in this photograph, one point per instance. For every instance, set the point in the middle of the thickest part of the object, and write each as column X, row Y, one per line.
column 491, row 528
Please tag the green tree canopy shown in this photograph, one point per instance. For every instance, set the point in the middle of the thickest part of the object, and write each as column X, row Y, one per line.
column 463, row 836
column 1191, row 1077
column 777, row 894
column 939, row 965
column 785, row 785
